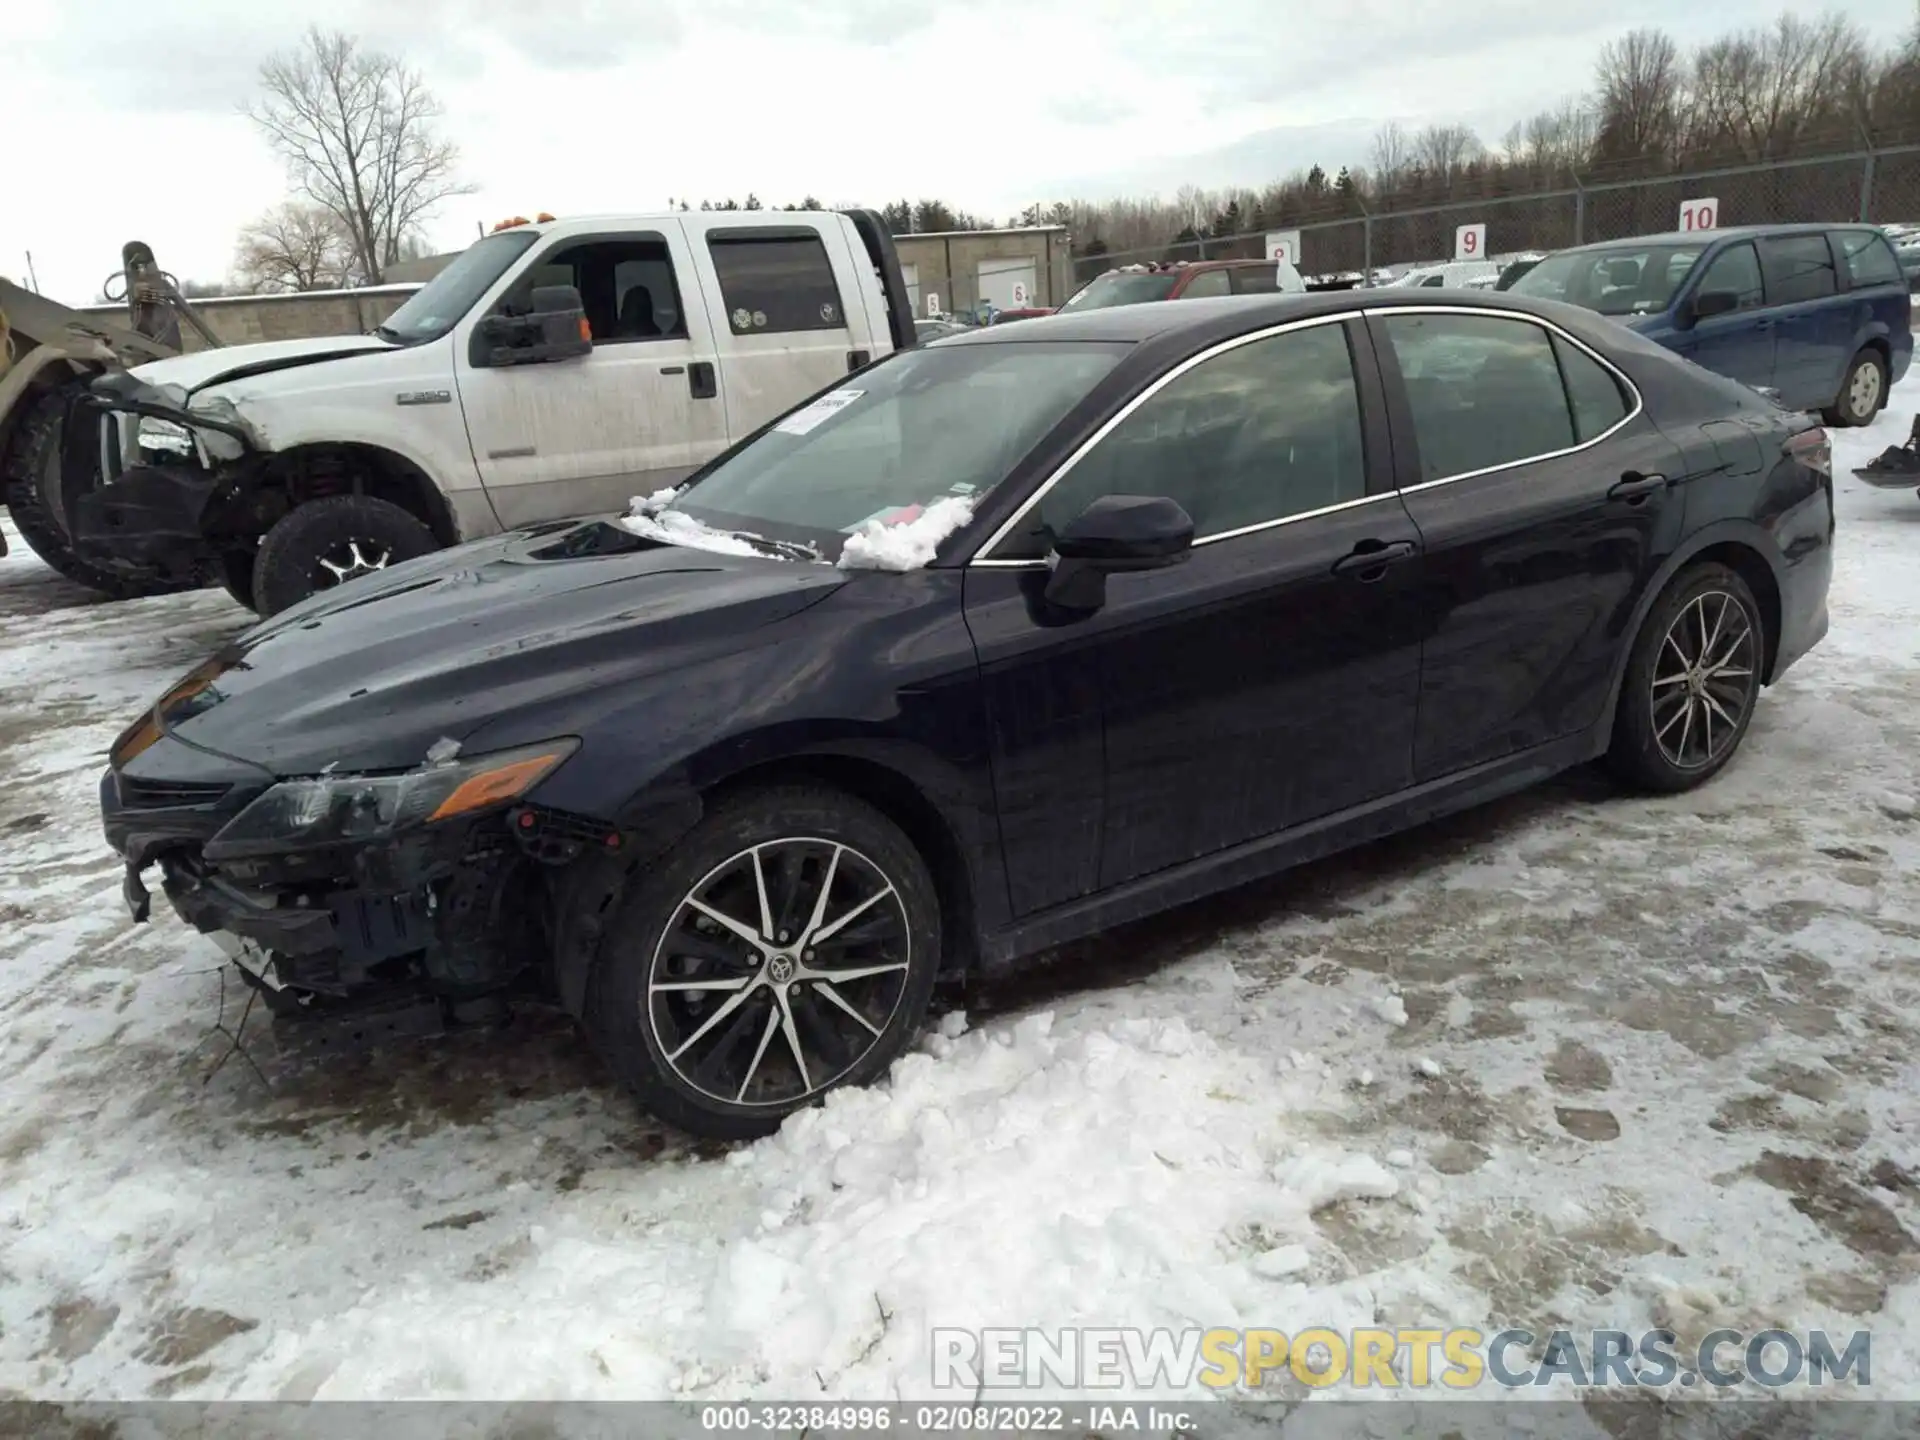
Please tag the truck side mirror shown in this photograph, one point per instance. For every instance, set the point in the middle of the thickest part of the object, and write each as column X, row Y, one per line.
column 555, row 328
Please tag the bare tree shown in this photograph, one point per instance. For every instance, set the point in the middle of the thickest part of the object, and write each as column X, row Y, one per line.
column 356, row 129
column 1641, row 82
column 296, row 245
column 1758, row 94
column 1441, row 152
column 1392, row 155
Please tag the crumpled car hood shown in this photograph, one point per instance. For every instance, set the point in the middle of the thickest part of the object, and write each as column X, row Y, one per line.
column 204, row 367
column 368, row 676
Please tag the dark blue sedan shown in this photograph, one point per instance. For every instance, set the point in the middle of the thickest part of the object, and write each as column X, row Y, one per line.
column 1816, row 314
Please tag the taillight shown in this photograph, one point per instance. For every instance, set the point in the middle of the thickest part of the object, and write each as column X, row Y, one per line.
column 1812, row 449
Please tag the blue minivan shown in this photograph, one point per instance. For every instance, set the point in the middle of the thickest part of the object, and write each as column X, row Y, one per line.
column 1818, row 315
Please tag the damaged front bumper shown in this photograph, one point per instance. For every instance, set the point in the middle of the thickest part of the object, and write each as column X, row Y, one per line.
column 136, row 497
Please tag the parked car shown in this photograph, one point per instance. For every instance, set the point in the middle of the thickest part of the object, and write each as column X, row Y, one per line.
column 1192, row 593
column 925, row 330
column 1905, row 239
column 552, row 369
column 1185, row 280
column 1818, row 315
column 1453, row 274
column 1024, row 312
column 1514, row 267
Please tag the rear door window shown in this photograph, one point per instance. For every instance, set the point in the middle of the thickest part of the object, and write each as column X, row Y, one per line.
column 1868, row 258
column 1799, row 267
column 1596, row 397
column 1483, row 392
column 777, row 283
column 1254, row 279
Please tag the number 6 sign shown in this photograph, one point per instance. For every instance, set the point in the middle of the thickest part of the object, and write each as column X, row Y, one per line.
column 1470, row 242
column 1701, row 214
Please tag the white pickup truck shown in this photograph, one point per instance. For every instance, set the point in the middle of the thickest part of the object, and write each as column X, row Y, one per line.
column 553, row 369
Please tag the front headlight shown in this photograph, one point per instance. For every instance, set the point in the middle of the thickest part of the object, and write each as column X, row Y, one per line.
column 350, row 809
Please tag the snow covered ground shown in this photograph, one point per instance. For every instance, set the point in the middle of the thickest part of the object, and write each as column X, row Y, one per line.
column 1577, row 1058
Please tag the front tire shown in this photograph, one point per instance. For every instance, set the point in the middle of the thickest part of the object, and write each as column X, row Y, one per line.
column 31, row 462
column 1863, row 391
column 1691, row 684
column 786, row 947
column 329, row 542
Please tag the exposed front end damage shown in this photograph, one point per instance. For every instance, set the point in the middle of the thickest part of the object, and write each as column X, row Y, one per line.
column 344, row 897
column 149, row 483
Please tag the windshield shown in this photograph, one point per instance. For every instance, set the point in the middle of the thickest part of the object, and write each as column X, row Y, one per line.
column 438, row 305
column 923, row 426
column 1619, row 280
column 1121, row 290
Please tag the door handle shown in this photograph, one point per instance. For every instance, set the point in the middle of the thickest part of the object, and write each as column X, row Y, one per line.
column 701, row 381
column 1369, row 560
column 1634, row 488
column 1763, row 324
column 673, row 369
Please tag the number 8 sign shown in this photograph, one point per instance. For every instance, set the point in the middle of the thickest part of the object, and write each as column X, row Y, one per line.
column 1470, row 242
column 1701, row 214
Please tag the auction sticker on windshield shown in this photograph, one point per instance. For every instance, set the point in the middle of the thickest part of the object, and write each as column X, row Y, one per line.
column 821, row 410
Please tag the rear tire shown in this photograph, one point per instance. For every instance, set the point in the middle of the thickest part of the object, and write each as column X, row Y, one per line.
column 329, row 542
column 1863, row 391
column 236, row 574
column 36, row 448
column 1692, row 682
column 771, row 1036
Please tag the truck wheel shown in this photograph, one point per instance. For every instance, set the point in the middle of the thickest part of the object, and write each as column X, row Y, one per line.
column 29, row 462
column 325, row 543
column 236, row 574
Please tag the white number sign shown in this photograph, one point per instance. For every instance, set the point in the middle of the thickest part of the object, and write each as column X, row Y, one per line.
column 933, row 305
column 1284, row 245
column 1019, row 294
column 1701, row 214
column 1470, row 242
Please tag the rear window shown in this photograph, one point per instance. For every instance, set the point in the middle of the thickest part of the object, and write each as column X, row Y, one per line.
column 1122, row 289
column 1868, row 257
column 777, row 283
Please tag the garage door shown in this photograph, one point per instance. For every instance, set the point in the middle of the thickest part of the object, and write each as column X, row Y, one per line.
column 1009, row 284
column 911, row 274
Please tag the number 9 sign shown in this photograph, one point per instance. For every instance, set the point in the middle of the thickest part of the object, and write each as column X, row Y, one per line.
column 1701, row 214
column 1470, row 242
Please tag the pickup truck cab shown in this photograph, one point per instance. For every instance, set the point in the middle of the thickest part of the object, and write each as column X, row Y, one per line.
column 1816, row 315
column 555, row 368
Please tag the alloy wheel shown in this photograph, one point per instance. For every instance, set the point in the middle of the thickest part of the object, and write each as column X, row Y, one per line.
column 1704, row 680
column 1863, row 390
column 778, row 972
column 351, row 559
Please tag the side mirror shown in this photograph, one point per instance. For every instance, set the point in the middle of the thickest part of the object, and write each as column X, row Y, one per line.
column 1713, row 302
column 1116, row 533
column 554, row 329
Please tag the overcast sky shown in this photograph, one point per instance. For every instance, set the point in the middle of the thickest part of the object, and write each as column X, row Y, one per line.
column 123, row 116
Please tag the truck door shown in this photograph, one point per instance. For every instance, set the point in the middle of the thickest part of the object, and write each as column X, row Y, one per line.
column 787, row 308
column 583, row 436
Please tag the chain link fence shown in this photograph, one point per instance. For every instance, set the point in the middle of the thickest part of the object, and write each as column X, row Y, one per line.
column 1880, row 186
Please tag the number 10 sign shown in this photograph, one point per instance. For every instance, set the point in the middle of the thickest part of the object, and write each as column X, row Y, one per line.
column 1702, row 214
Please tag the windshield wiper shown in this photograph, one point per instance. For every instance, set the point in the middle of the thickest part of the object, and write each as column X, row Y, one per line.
column 786, row 549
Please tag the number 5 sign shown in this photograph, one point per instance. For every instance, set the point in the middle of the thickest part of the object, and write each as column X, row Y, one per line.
column 1702, row 214
column 1470, row 242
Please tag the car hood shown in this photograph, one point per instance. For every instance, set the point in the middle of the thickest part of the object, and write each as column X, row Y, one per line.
column 368, row 676
column 209, row 367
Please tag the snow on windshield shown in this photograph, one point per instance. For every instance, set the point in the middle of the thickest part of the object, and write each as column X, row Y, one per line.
column 905, row 542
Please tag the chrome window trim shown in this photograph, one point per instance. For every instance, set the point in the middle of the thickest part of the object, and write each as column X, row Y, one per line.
column 1385, row 312
column 1120, row 416
column 1619, row 376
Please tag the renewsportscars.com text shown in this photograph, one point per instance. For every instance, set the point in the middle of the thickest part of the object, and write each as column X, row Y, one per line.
column 1456, row 1359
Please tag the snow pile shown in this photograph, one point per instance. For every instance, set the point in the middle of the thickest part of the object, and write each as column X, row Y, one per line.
column 656, row 502
column 676, row 527
column 906, row 544
column 1133, row 1173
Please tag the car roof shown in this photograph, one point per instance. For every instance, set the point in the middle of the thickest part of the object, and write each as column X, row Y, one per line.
column 1137, row 323
column 1708, row 237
